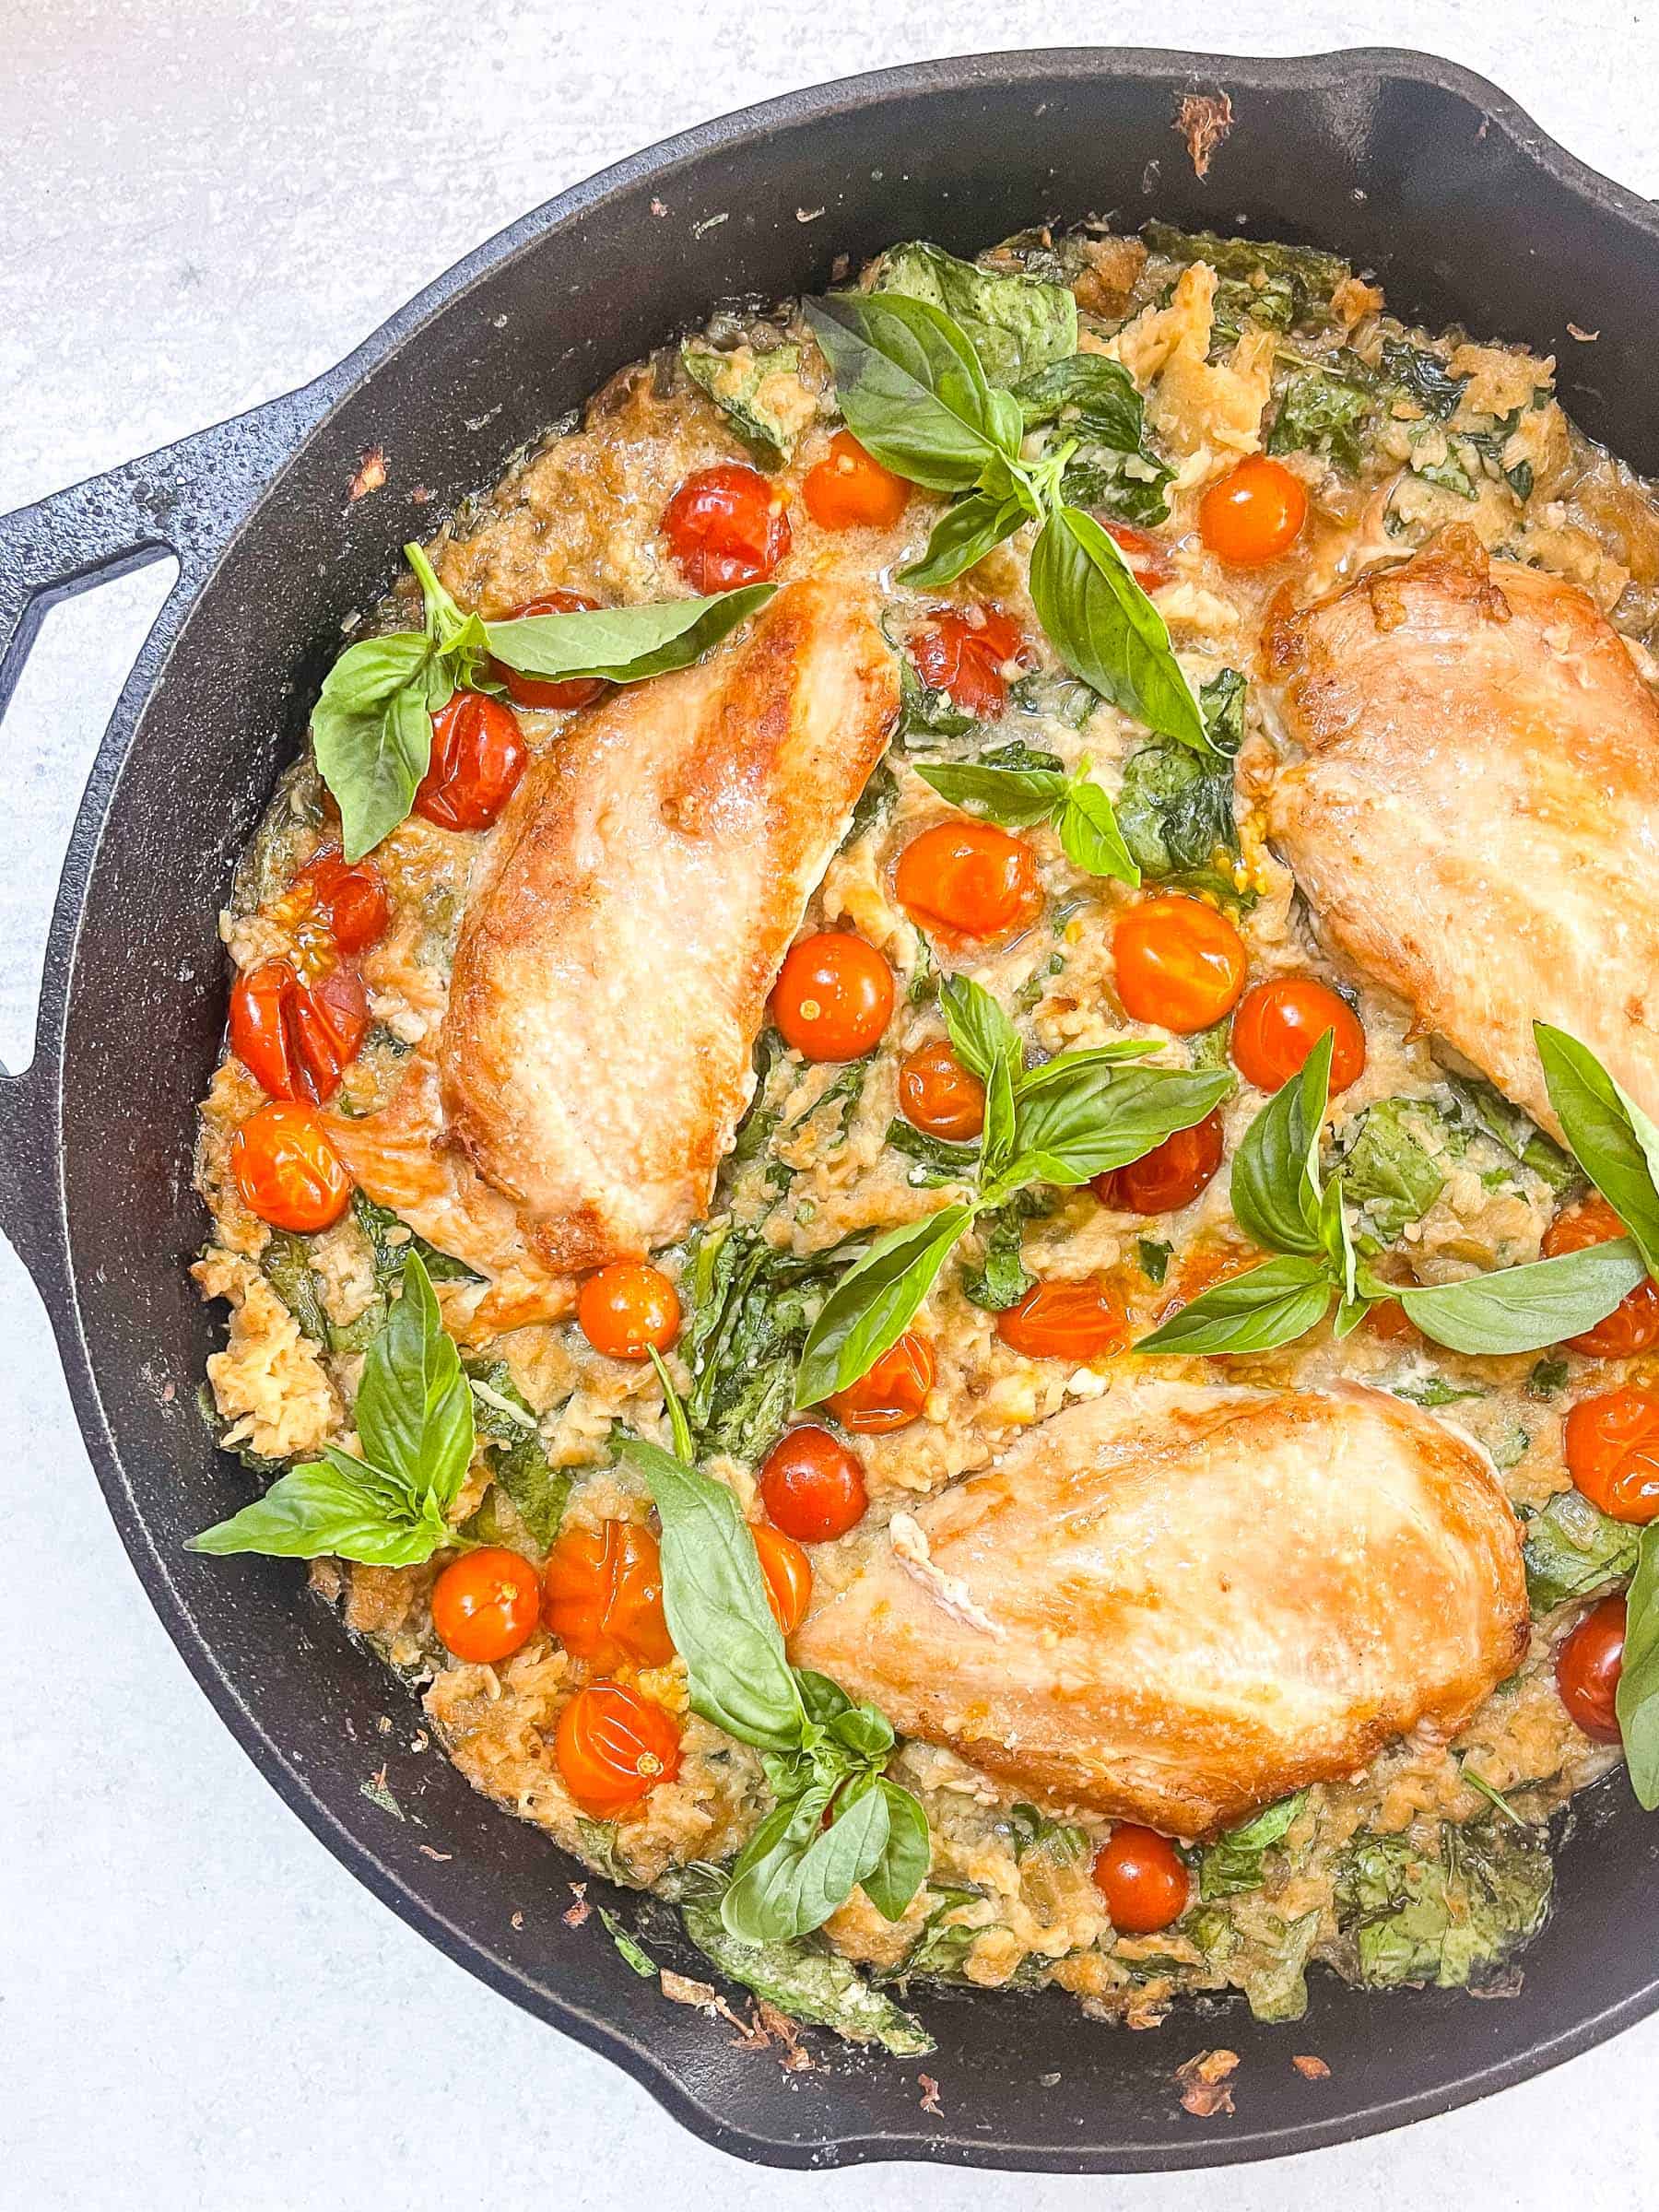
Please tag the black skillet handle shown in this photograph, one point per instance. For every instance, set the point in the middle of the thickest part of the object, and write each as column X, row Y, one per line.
column 187, row 499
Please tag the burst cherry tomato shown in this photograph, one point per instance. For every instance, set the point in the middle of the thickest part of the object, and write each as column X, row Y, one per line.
column 1148, row 561
column 964, row 652
column 614, row 1746
column 968, row 878
column 1143, row 1878
column 727, row 526
column 1179, row 963
column 938, row 1095
column 1170, row 1176
column 1633, row 1324
column 627, row 1308
column 1254, row 514
column 812, row 1487
column 288, row 1171
column 833, row 997
column 787, row 1573
column 1588, row 1666
column 1278, row 1024
column 602, row 1596
column 1612, row 1446
column 548, row 691
column 1065, row 1320
column 478, row 755
column 851, row 491
column 893, row 1392
column 297, row 1040
column 353, row 898
column 485, row 1604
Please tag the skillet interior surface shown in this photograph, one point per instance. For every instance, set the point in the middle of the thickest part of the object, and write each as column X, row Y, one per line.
column 1409, row 167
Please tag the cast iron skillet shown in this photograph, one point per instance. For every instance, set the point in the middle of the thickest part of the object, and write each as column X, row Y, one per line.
column 1411, row 167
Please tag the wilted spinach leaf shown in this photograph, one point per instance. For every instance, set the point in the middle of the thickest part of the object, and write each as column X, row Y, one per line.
column 1390, row 1171
column 1411, row 1918
column 1322, row 412
column 1016, row 324
column 1572, row 1550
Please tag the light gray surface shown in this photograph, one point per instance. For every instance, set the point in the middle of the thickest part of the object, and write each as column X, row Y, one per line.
column 199, row 2006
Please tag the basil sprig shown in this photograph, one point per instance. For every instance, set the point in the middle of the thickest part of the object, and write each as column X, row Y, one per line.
column 389, row 1506
column 371, row 727
column 1637, row 1698
column 1076, row 1117
column 1611, row 1138
column 1019, row 797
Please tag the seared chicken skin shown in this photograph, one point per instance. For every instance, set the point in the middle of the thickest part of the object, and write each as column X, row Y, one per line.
column 1173, row 1604
column 1477, row 822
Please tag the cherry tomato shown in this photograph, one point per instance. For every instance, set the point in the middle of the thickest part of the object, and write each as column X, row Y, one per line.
column 354, row 898
column 851, row 491
column 965, row 652
column 1633, row 1324
column 478, row 755
column 1278, row 1024
column 627, row 1308
column 1143, row 1878
column 968, row 878
column 602, row 1596
column 892, row 1393
column 1390, row 1320
column 542, row 690
column 787, row 1573
column 727, row 526
column 812, row 1487
column 295, row 1040
column 1179, row 963
column 1170, row 1176
column 1254, row 514
column 614, row 1746
column 485, row 1604
column 1612, row 1447
column 833, row 997
column 1588, row 1666
column 1065, row 1320
column 288, row 1171
column 938, row 1095
column 1148, row 561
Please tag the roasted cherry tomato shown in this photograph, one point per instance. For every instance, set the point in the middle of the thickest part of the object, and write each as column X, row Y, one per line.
column 297, row 1040
column 787, row 1573
column 1065, row 1320
column 727, row 526
column 893, row 1392
column 549, row 691
column 833, row 997
column 1254, row 514
column 485, row 1604
column 938, row 1095
column 602, row 1596
column 1170, row 1176
column 1278, row 1024
column 1588, row 1666
column 969, row 878
column 1612, row 1446
column 851, row 491
column 1180, row 965
column 812, row 1486
column 288, row 1171
column 614, row 1746
column 1148, row 561
column 965, row 652
column 353, row 898
column 1633, row 1324
column 627, row 1308
column 1143, row 1878
column 478, row 755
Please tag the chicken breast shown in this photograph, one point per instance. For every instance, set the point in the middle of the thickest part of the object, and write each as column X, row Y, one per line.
column 1173, row 1604
column 1477, row 822
column 642, row 889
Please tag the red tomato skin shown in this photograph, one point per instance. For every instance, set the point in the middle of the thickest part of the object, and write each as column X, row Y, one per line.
column 833, row 997
column 1278, row 1024
column 1066, row 1321
column 287, row 1170
column 1587, row 1669
column 964, row 652
column 812, row 1486
column 892, row 1393
column 938, row 1095
column 1633, row 1324
column 1143, row 1878
column 1180, row 965
column 626, row 1307
column 540, row 691
column 1168, row 1177
column 1612, row 1448
column 968, row 880
column 1254, row 514
column 353, row 898
column 478, row 757
column 296, row 1039
column 787, row 1573
column 1148, row 561
column 850, row 490
column 485, row 1604
column 614, row 1746
column 727, row 526
column 602, row 1596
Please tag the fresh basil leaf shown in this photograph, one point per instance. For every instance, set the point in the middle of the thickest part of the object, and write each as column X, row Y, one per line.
column 1089, row 833
column 1106, row 630
column 1015, row 324
column 978, row 1030
column 963, row 535
column 912, row 388
column 1523, row 1308
column 331, row 1508
column 679, row 1429
column 1338, row 1247
column 996, row 1137
column 869, row 1309
column 625, row 644
column 762, row 1903
column 1015, row 797
column 1080, row 1116
column 825, row 1701
column 1255, row 1312
column 372, row 734
column 1637, row 1698
column 901, row 1869
column 1612, row 1139
column 414, row 1409
column 737, row 383
column 1574, row 1550
column 1275, row 1187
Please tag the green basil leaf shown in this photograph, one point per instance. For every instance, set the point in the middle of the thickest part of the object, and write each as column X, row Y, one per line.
column 1523, row 1308
column 978, row 1030
column 963, row 535
column 902, row 1867
column 1612, row 1138
column 1637, row 1698
column 625, row 644
column 996, row 1137
column 1077, row 1118
column 1256, row 1311
column 372, row 734
column 414, row 1409
column 825, row 1701
column 1106, row 630
column 912, row 388
column 1015, row 324
column 1274, row 1186
column 869, row 1309
column 1337, row 1243
column 1091, row 836
column 801, row 1871
column 1015, row 797
column 331, row 1508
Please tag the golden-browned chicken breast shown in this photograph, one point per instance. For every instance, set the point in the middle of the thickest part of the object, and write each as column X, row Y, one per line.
column 1173, row 1604
column 629, row 918
column 1477, row 822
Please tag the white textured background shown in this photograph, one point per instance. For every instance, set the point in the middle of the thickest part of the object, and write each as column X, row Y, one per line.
column 202, row 205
